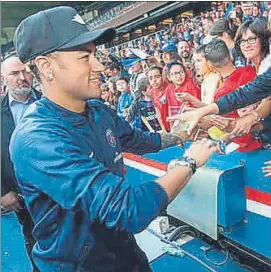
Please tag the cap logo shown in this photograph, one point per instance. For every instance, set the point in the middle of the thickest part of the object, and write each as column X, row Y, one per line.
column 77, row 18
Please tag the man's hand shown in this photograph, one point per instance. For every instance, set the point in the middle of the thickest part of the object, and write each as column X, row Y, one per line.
column 10, row 201
column 267, row 169
column 169, row 139
column 223, row 123
column 193, row 117
column 214, row 120
column 201, row 151
column 175, row 180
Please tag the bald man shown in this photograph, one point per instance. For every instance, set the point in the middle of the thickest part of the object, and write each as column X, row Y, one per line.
column 19, row 96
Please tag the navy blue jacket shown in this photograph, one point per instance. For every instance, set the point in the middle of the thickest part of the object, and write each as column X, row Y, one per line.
column 8, row 180
column 71, row 173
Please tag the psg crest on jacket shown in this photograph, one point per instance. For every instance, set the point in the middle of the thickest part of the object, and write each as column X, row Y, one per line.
column 110, row 137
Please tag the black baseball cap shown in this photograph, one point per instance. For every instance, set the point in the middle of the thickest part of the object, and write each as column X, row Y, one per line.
column 219, row 26
column 55, row 29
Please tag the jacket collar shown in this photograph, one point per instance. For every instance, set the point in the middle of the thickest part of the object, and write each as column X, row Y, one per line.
column 64, row 113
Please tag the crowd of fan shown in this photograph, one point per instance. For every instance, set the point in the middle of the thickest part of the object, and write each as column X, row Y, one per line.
column 195, row 63
column 195, row 29
column 113, row 13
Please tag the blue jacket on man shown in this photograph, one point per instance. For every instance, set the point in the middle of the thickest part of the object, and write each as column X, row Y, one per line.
column 71, row 172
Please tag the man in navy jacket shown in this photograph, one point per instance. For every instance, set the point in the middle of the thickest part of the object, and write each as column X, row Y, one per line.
column 67, row 155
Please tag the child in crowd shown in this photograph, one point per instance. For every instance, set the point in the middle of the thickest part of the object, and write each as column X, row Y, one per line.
column 151, row 120
column 209, row 83
column 157, row 89
column 210, row 79
column 181, row 84
column 125, row 99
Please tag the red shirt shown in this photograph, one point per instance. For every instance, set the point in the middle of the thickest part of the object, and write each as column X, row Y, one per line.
column 159, row 101
column 189, row 73
column 239, row 77
column 174, row 105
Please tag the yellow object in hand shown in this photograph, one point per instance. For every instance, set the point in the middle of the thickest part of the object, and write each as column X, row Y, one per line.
column 215, row 133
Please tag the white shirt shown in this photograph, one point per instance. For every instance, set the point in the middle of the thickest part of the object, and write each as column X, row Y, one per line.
column 18, row 108
column 265, row 64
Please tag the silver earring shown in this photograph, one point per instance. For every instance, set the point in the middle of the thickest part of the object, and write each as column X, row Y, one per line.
column 50, row 77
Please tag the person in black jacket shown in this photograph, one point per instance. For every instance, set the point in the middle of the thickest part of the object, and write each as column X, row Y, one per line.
column 17, row 81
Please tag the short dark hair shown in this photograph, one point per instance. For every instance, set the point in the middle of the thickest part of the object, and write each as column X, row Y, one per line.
column 169, row 65
column 229, row 31
column 217, row 53
column 122, row 78
column 200, row 49
column 158, row 68
column 260, row 29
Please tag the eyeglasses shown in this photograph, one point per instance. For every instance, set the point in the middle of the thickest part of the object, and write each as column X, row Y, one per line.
column 174, row 74
column 250, row 40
